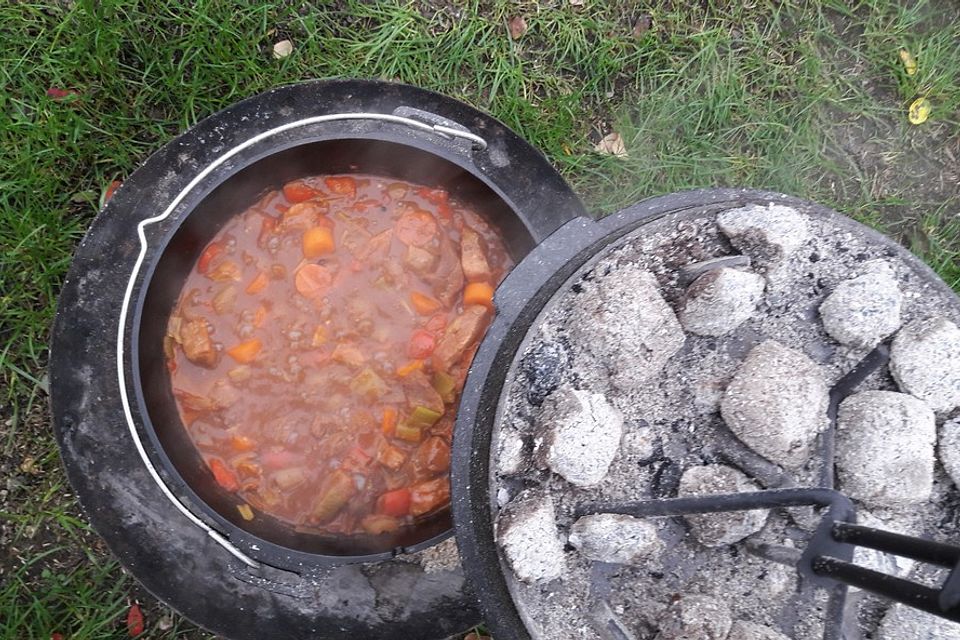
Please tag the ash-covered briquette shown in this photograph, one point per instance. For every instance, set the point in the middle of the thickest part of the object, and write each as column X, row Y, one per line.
column 721, row 300
column 906, row 623
column 863, row 311
column 721, row 529
column 777, row 403
column 527, row 533
column 885, row 449
column 610, row 537
column 948, row 447
column 673, row 425
column 925, row 361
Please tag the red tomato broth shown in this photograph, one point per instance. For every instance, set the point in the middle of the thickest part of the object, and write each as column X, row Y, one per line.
column 318, row 382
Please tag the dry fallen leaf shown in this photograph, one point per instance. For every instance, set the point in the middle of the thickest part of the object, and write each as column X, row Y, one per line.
column 919, row 111
column 909, row 62
column 29, row 465
column 612, row 144
column 577, row 3
column 282, row 49
column 642, row 25
column 517, row 26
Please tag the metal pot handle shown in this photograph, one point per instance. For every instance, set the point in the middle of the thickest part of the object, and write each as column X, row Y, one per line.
column 444, row 127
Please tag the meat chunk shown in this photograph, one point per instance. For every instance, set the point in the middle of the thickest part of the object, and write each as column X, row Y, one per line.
column 419, row 260
column 420, row 393
column 462, row 333
column 473, row 257
column 428, row 496
column 197, row 344
column 447, row 279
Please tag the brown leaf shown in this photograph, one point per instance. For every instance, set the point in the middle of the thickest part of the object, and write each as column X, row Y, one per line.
column 517, row 26
column 642, row 25
column 612, row 144
column 29, row 465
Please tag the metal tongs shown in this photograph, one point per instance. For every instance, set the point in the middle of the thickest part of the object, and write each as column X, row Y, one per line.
column 827, row 560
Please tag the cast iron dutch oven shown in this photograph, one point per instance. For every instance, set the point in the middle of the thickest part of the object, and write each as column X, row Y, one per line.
column 126, row 454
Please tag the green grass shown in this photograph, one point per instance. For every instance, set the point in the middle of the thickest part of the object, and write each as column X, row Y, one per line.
column 808, row 98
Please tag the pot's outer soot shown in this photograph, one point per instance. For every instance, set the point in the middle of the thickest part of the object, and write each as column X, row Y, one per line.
column 523, row 297
column 173, row 558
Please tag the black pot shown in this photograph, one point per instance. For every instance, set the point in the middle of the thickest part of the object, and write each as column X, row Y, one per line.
column 522, row 300
column 126, row 454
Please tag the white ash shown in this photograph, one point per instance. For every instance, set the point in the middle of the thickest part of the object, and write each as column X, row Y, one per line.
column 925, row 361
column 614, row 538
column 577, row 435
column 721, row 300
column 441, row 557
column 767, row 234
column 675, row 412
column 776, row 404
column 948, row 448
column 723, row 528
column 626, row 328
column 863, row 311
column 527, row 533
column 513, row 457
column 877, row 560
column 885, row 448
column 695, row 617
column 906, row 623
column 742, row 630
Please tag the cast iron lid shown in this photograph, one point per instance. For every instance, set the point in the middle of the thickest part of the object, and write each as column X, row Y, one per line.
column 185, row 552
column 523, row 298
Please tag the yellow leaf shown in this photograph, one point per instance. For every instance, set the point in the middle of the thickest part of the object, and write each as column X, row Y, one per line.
column 282, row 49
column 909, row 62
column 919, row 111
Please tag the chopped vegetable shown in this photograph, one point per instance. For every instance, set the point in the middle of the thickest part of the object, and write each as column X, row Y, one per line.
column 258, row 284
column 240, row 374
column 245, row 511
column 408, row 432
column 424, row 304
column 287, row 479
column 223, row 475
column 298, row 191
column 368, row 385
column 337, row 489
column 410, row 367
column 394, row 503
column 480, row 293
column 319, row 337
column 242, row 443
column 212, row 251
column 245, row 351
column 422, row 344
column 423, row 417
column 317, row 241
column 445, row 385
column 224, row 301
column 389, row 422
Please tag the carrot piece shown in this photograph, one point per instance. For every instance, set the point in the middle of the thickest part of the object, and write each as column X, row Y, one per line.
column 424, row 304
column 212, row 251
column 298, row 191
column 258, row 284
column 246, row 351
column 478, row 293
column 242, row 443
column 224, row 476
column 317, row 241
column 395, row 503
column 389, row 422
column 410, row 367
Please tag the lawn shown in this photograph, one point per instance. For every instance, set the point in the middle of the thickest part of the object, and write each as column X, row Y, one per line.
column 808, row 98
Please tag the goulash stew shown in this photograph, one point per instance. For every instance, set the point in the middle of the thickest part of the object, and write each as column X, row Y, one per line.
column 320, row 344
